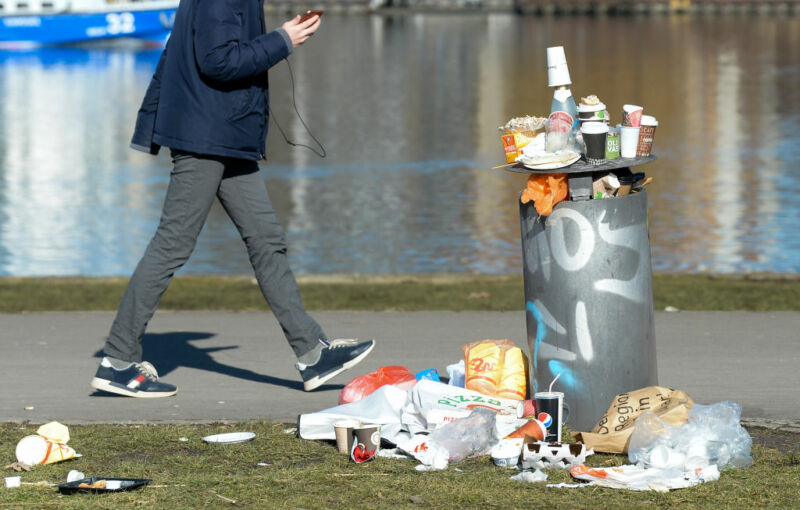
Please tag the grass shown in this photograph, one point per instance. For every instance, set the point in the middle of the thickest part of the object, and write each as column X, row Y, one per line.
column 453, row 292
column 310, row 474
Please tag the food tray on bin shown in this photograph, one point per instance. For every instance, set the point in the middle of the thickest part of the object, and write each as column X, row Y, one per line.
column 582, row 166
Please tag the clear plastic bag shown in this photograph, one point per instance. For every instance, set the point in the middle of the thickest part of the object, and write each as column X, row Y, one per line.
column 472, row 435
column 712, row 435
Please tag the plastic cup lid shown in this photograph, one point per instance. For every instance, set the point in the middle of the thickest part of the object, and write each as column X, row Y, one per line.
column 591, row 108
column 649, row 120
column 594, row 128
column 631, row 108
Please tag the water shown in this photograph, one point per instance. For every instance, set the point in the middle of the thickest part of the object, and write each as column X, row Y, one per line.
column 407, row 108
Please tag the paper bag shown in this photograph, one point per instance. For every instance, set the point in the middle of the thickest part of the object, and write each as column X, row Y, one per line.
column 613, row 432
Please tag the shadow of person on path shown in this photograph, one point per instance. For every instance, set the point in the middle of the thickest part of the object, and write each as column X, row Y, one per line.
column 168, row 351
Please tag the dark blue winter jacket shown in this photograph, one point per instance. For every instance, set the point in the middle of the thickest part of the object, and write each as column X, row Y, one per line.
column 210, row 92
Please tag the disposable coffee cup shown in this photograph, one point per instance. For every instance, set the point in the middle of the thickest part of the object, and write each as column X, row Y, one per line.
column 628, row 140
column 526, row 409
column 612, row 144
column 366, row 443
column 594, row 136
column 550, row 406
column 631, row 115
column 592, row 112
column 557, row 70
column 344, row 434
column 647, row 132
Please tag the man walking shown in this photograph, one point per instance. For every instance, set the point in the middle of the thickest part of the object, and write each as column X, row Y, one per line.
column 208, row 102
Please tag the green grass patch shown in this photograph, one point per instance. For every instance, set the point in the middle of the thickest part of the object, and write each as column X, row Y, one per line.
column 311, row 474
column 445, row 292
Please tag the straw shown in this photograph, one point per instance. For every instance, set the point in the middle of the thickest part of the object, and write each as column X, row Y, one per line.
column 550, row 389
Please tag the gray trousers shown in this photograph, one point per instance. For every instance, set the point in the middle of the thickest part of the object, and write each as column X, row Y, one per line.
column 194, row 182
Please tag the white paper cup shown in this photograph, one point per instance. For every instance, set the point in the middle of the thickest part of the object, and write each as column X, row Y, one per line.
column 628, row 140
column 557, row 70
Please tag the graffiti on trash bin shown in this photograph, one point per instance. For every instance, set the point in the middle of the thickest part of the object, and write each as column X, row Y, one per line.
column 609, row 259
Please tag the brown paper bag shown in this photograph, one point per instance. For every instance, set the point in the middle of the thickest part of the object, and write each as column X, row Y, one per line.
column 613, row 431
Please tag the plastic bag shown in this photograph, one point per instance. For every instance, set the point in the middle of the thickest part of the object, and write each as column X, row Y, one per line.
column 362, row 386
column 496, row 368
column 712, row 435
column 546, row 190
column 454, row 441
column 456, row 374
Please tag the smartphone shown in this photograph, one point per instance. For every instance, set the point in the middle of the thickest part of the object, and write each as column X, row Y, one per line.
column 309, row 14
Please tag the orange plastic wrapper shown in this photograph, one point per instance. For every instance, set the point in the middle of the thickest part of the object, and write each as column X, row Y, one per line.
column 496, row 368
column 363, row 386
column 546, row 190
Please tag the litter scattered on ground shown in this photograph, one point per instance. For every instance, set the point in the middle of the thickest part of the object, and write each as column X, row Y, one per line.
column 712, row 435
column 98, row 484
column 290, row 430
column 13, row 482
column 263, row 464
column 671, row 309
column 530, row 476
column 564, row 485
column 48, row 446
column 639, row 478
column 29, row 408
column 183, row 439
column 18, row 467
column 75, row 475
column 230, row 438
column 560, row 456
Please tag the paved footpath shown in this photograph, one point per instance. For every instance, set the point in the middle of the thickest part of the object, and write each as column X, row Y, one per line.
column 237, row 366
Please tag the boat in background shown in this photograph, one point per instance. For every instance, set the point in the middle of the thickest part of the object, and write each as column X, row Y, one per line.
column 33, row 23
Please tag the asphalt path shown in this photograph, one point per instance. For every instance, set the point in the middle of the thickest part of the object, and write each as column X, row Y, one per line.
column 234, row 366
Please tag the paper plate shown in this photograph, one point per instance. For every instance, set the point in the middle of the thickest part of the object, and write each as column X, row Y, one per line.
column 230, row 437
column 551, row 166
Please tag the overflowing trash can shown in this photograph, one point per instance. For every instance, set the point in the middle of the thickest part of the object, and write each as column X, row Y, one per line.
column 589, row 296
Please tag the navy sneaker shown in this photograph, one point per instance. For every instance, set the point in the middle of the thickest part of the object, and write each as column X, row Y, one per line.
column 337, row 356
column 136, row 380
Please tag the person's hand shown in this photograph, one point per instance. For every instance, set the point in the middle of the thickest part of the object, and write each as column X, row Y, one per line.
column 300, row 32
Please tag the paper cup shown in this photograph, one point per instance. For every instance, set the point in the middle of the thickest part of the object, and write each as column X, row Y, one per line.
column 631, row 115
column 344, row 434
column 647, row 132
column 526, row 409
column 366, row 443
column 628, row 140
column 594, row 136
column 557, row 70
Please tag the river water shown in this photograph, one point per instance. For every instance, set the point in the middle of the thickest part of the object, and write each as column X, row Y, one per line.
column 408, row 108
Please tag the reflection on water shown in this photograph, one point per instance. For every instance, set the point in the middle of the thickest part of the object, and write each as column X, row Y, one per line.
column 407, row 108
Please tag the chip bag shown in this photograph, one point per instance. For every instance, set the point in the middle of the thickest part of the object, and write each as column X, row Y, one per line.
column 546, row 190
column 496, row 368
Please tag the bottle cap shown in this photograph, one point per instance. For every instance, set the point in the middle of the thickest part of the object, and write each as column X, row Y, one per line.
column 557, row 70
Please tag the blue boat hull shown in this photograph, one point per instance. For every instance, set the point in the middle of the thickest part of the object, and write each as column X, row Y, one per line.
column 31, row 31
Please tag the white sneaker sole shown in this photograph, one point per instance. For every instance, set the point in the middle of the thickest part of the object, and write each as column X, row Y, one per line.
column 316, row 382
column 104, row 385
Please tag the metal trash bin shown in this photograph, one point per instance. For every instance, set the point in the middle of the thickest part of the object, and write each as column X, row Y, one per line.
column 589, row 301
